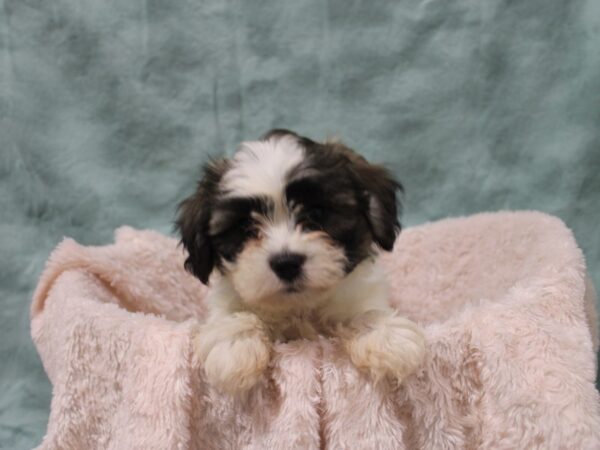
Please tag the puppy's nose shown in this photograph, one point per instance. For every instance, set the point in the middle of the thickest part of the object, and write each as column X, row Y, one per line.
column 287, row 266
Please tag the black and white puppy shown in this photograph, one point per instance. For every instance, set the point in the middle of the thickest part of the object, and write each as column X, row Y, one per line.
column 287, row 232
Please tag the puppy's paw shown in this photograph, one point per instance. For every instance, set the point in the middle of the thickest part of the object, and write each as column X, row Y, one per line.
column 385, row 344
column 235, row 352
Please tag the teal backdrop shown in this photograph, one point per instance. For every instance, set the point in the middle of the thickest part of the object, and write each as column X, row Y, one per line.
column 108, row 107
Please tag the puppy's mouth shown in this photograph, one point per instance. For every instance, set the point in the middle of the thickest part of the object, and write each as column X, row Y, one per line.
column 292, row 289
column 300, row 289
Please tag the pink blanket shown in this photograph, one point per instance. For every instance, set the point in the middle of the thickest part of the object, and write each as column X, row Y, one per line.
column 503, row 299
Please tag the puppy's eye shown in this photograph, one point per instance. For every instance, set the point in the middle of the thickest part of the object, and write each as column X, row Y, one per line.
column 314, row 217
column 250, row 227
column 316, row 213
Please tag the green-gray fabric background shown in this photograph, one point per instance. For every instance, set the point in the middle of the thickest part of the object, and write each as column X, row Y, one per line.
column 107, row 108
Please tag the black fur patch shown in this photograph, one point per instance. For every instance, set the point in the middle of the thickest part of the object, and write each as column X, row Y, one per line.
column 354, row 202
column 194, row 218
column 234, row 223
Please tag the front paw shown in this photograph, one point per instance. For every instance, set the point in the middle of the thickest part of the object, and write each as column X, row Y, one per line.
column 386, row 344
column 235, row 352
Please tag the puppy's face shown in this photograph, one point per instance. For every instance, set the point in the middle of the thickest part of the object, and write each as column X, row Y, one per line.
column 287, row 218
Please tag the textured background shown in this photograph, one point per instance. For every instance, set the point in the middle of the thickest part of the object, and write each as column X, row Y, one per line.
column 107, row 107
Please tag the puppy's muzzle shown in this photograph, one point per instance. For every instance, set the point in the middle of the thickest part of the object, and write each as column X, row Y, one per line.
column 287, row 266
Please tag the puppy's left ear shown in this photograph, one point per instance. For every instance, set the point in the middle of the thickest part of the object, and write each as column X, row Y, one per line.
column 193, row 221
column 380, row 189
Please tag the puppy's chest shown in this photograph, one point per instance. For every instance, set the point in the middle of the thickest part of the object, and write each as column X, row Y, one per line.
column 298, row 326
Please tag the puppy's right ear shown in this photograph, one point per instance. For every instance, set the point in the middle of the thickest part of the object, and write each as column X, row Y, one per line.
column 193, row 221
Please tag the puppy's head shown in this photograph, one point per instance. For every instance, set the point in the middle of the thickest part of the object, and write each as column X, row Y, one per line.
column 288, row 218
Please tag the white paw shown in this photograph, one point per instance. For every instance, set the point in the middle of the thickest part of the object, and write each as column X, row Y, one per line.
column 386, row 345
column 235, row 352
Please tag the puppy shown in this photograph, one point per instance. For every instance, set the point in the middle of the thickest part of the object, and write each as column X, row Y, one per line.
column 288, row 232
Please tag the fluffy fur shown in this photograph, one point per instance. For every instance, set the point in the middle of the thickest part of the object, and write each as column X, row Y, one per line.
column 511, row 335
column 293, row 228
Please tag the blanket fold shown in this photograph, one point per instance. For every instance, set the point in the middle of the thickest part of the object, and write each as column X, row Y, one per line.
column 503, row 298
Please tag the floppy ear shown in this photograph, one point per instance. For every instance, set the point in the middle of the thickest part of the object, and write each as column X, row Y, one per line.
column 193, row 221
column 382, row 207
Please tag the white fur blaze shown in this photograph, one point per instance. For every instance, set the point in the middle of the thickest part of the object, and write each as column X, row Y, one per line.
column 260, row 167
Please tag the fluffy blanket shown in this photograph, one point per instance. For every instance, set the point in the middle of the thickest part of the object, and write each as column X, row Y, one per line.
column 503, row 299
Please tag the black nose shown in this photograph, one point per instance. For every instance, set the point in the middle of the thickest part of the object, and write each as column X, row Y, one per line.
column 287, row 265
